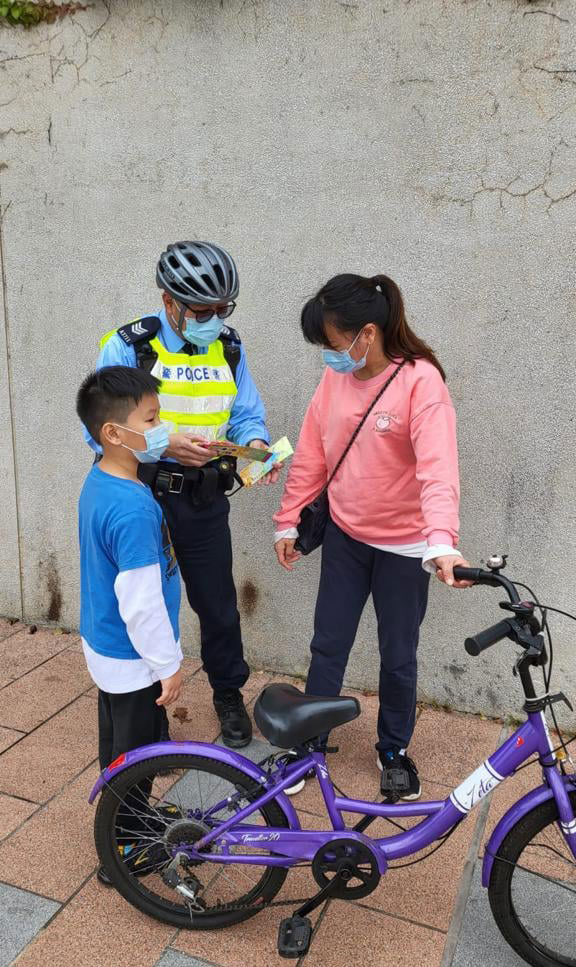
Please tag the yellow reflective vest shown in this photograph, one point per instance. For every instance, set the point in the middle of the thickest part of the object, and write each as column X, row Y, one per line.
column 197, row 392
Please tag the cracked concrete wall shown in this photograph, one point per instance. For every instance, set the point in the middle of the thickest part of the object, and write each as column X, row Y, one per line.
column 430, row 139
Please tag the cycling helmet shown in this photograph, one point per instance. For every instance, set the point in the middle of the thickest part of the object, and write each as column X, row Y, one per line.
column 197, row 272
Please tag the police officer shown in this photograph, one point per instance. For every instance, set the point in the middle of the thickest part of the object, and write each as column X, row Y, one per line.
column 207, row 392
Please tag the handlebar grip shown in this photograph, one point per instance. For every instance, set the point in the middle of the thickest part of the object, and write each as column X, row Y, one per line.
column 488, row 637
column 468, row 573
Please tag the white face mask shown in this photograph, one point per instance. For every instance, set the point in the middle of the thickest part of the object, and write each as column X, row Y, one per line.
column 157, row 441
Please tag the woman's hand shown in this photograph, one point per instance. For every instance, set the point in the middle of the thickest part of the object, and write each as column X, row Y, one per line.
column 285, row 553
column 272, row 475
column 188, row 450
column 445, row 570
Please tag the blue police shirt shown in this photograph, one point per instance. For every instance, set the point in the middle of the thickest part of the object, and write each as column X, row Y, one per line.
column 248, row 416
column 121, row 527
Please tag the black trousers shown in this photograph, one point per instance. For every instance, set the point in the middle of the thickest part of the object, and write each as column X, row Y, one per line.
column 127, row 720
column 203, row 547
column 351, row 571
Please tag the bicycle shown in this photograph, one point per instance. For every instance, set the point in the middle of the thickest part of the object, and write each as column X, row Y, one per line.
column 198, row 836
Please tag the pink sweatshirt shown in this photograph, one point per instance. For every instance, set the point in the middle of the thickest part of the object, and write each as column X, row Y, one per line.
column 399, row 482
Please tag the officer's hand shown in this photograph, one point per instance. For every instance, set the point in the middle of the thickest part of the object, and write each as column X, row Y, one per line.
column 171, row 688
column 286, row 554
column 272, row 475
column 187, row 449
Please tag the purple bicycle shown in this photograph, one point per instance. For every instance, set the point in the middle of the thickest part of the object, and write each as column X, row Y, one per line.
column 201, row 837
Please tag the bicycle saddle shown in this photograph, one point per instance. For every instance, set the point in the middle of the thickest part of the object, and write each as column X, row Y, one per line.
column 287, row 718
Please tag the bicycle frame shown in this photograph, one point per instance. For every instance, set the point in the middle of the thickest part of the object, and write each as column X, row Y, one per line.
column 292, row 845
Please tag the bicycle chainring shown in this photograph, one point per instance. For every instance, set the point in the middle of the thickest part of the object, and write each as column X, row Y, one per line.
column 354, row 860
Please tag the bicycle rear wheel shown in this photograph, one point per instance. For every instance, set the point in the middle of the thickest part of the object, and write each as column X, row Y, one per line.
column 532, row 889
column 169, row 801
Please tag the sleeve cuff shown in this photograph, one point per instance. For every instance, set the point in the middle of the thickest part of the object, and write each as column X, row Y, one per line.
column 168, row 670
column 434, row 551
column 289, row 533
column 445, row 538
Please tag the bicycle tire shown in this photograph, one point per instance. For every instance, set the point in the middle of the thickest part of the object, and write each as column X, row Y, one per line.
column 500, row 888
column 134, row 891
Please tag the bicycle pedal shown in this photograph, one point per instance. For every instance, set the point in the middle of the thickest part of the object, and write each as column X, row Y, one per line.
column 294, row 935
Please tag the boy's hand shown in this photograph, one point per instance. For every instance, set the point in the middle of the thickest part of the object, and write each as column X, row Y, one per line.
column 171, row 688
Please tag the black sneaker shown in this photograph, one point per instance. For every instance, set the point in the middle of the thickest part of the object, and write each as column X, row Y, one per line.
column 236, row 726
column 140, row 858
column 399, row 776
column 143, row 858
column 298, row 786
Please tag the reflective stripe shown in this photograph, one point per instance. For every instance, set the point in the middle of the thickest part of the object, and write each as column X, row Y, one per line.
column 196, row 404
column 214, row 432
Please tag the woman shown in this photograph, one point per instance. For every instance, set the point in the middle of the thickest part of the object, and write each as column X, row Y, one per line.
column 393, row 502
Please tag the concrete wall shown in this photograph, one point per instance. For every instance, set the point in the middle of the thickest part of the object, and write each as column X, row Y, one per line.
column 431, row 139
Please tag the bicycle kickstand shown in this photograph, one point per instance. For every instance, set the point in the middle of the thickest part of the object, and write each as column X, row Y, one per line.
column 295, row 932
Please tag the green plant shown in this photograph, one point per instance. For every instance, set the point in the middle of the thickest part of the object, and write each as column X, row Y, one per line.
column 27, row 14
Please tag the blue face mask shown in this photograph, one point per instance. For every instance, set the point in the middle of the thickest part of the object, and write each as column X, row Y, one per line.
column 157, row 442
column 202, row 333
column 342, row 362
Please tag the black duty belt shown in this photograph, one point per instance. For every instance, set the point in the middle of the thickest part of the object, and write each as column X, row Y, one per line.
column 200, row 484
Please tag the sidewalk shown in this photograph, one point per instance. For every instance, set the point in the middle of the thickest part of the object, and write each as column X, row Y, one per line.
column 53, row 911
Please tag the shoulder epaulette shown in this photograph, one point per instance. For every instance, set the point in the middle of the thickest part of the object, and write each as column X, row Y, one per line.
column 139, row 330
column 229, row 334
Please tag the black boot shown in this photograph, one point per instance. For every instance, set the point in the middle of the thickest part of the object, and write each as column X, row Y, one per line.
column 236, row 726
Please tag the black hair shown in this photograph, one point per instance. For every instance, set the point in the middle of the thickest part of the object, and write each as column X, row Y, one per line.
column 110, row 394
column 349, row 302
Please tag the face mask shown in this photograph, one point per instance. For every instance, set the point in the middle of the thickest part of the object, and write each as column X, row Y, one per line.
column 200, row 333
column 156, row 442
column 342, row 362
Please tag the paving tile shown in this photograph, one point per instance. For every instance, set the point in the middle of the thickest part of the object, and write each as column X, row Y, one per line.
column 480, row 943
column 201, row 724
column 427, row 891
column 174, row 959
column 43, row 762
column 44, row 691
column 98, row 929
column 352, row 936
column 447, row 747
column 8, row 737
column 253, row 942
column 13, row 812
column 8, row 628
column 54, row 851
column 22, row 915
column 21, row 652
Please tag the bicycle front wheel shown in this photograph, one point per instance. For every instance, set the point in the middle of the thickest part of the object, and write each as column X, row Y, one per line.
column 161, row 803
column 532, row 889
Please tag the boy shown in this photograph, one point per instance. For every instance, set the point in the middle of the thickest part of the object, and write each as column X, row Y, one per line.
column 130, row 584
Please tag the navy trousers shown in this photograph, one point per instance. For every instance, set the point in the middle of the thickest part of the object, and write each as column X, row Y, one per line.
column 203, row 548
column 351, row 571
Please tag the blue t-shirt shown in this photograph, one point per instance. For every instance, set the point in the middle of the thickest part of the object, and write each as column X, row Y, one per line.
column 121, row 528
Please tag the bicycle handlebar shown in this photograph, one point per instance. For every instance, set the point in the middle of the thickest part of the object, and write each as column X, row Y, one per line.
column 493, row 578
column 485, row 639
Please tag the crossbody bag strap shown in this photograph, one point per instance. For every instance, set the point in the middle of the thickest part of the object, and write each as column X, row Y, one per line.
column 362, row 422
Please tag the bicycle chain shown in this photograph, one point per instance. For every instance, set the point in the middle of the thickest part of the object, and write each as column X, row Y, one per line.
column 236, row 907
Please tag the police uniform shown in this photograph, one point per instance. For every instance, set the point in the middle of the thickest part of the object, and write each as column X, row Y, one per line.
column 208, row 392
